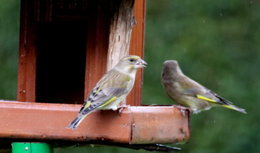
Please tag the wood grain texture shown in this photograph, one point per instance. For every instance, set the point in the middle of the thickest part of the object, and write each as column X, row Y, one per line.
column 121, row 24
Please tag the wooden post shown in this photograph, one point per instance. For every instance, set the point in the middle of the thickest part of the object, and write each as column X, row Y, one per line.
column 137, row 48
column 27, row 56
column 127, row 16
column 121, row 26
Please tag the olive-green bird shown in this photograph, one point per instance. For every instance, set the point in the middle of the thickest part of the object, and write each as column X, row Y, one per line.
column 190, row 93
column 112, row 88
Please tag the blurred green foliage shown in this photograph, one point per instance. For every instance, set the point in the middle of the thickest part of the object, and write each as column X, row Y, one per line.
column 217, row 43
column 9, row 32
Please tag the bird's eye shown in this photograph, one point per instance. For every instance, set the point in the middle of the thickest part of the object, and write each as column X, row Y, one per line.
column 132, row 60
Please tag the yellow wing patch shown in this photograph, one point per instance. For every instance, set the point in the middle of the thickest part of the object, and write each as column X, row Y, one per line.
column 109, row 101
column 230, row 107
column 87, row 105
column 205, row 98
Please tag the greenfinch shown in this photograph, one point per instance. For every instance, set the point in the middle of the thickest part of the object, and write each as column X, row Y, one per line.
column 190, row 93
column 111, row 89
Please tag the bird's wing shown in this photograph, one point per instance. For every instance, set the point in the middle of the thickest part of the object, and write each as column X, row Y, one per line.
column 207, row 95
column 101, row 98
column 219, row 99
column 106, row 91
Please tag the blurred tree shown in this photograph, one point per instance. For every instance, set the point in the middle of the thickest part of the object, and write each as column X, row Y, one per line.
column 217, row 43
column 9, row 32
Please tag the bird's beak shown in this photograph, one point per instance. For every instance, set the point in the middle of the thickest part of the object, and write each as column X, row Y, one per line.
column 141, row 63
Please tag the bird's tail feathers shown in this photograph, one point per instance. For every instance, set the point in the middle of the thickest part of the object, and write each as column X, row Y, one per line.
column 235, row 108
column 86, row 109
column 75, row 123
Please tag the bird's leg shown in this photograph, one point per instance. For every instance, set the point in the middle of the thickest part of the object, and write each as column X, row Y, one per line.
column 121, row 108
column 184, row 109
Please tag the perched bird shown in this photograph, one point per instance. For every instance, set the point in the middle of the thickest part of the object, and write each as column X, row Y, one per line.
column 190, row 93
column 111, row 89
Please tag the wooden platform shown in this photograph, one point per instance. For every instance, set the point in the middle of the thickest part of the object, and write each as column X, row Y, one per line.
column 134, row 125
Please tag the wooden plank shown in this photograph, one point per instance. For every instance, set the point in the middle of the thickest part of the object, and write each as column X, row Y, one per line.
column 27, row 55
column 151, row 125
column 48, row 121
column 137, row 48
column 136, row 125
column 122, row 22
column 120, row 39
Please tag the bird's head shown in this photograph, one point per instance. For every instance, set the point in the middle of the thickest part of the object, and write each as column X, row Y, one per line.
column 131, row 63
column 171, row 69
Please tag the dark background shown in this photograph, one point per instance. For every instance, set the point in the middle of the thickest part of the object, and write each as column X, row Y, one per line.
column 217, row 43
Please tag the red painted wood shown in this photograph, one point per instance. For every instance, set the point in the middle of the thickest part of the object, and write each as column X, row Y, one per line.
column 27, row 56
column 97, row 44
column 138, row 124
column 137, row 48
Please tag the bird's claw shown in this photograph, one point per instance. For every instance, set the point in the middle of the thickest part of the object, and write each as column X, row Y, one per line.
column 121, row 108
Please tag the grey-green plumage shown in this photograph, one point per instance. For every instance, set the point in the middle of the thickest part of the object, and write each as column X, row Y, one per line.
column 190, row 93
column 112, row 88
column 113, row 84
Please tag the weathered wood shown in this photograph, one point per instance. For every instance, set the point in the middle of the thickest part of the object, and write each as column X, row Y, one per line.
column 121, row 26
column 127, row 16
column 135, row 125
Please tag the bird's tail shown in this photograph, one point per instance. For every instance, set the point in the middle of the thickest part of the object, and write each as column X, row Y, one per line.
column 229, row 106
column 86, row 109
column 75, row 123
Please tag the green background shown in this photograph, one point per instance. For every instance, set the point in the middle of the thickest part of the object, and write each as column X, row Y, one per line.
column 217, row 43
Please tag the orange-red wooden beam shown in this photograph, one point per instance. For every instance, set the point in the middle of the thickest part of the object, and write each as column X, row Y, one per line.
column 137, row 48
column 135, row 124
column 27, row 56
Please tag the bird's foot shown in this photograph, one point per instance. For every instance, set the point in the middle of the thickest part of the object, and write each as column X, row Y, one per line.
column 184, row 109
column 121, row 108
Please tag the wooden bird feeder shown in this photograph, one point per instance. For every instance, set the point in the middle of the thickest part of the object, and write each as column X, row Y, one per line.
column 65, row 47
